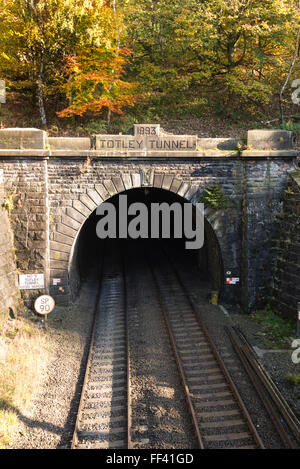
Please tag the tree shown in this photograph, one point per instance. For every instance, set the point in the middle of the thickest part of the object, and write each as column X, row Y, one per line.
column 37, row 36
column 94, row 78
column 237, row 49
column 33, row 38
column 94, row 74
column 296, row 54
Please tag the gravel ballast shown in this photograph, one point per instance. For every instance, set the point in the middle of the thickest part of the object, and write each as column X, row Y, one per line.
column 49, row 422
column 161, row 419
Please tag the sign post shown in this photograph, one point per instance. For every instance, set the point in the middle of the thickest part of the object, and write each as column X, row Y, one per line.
column 44, row 305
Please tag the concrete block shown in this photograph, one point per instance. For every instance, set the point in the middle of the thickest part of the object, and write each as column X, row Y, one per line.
column 219, row 143
column 175, row 185
column 270, row 139
column 104, row 194
column 19, row 139
column 127, row 181
column 94, row 196
column 78, row 205
column 183, row 189
column 110, row 187
column 66, row 230
column 158, row 178
column 69, row 143
column 136, row 180
column 167, row 182
column 118, row 183
column 60, row 246
column 86, row 200
column 75, row 215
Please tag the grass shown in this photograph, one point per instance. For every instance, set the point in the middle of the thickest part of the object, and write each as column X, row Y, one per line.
column 293, row 378
column 21, row 362
column 278, row 331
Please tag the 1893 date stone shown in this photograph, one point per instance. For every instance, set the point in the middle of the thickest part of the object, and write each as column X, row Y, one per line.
column 146, row 137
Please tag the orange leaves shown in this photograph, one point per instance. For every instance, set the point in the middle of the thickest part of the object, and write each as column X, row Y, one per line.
column 97, row 105
column 94, row 79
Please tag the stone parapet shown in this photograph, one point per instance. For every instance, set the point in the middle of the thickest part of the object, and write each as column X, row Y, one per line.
column 69, row 143
column 139, row 154
column 270, row 139
column 22, row 139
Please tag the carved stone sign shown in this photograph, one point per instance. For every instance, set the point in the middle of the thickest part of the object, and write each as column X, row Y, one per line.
column 148, row 137
column 2, row 92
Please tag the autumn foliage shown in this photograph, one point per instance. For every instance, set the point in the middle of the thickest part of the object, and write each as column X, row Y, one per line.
column 100, row 56
column 94, row 81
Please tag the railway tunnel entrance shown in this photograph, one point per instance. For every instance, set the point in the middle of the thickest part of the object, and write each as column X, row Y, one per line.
column 204, row 263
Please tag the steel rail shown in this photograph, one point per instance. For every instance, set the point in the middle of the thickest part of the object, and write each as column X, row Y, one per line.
column 284, row 408
column 88, row 362
column 221, row 363
column 178, row 361
column 129, row 441
column 75, row 439
column 260, row 390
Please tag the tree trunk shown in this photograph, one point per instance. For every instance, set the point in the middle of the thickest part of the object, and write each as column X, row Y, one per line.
column 41, row 93
column 289, row 75
column 117, row 53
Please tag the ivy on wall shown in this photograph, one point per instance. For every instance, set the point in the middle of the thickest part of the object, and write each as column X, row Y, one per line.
column 213, row 197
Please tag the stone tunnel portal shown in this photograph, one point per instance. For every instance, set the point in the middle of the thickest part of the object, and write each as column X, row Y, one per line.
column 88, row 248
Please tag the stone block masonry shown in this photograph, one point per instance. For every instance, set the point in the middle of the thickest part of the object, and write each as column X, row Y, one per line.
column 26, row 180
column 22, row 138
column 270, row 139
column 286, row 275
column 56, row 190
column 9, row 292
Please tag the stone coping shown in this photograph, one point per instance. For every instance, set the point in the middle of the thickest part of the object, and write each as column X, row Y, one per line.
column 135, row 154
column 147, row 139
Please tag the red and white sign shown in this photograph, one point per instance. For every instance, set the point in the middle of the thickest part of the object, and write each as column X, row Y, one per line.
column 232, row 280
column 44, row 304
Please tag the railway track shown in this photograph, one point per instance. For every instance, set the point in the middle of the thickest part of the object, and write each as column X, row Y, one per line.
column 219, row 416
column 103, row 419
column 160, row 417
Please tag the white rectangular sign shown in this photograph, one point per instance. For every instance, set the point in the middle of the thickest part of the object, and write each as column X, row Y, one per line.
column 31, row 281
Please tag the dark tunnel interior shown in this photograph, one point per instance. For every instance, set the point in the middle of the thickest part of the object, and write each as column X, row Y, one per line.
column 89, row 248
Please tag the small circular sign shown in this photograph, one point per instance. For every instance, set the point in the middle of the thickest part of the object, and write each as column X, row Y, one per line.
column 44, row 304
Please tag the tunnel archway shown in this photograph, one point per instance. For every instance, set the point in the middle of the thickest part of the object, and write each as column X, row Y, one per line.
column 87, row 247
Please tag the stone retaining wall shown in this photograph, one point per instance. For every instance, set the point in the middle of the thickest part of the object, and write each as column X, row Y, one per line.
column 286, row 277
column 9, row 293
